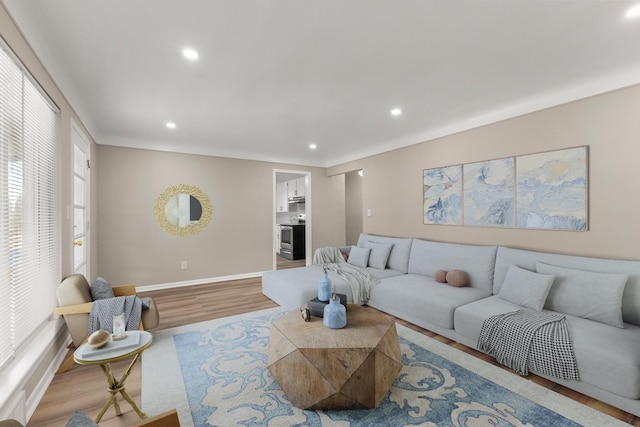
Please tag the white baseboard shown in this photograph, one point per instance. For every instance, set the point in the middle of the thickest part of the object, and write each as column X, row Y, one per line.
column 198, row 282
column 17, row 399
column 45, row 381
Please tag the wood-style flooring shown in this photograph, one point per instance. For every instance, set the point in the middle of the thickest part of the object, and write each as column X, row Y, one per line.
column 84, row 387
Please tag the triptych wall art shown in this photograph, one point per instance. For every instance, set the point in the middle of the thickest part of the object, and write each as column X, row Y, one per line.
column 538, row 191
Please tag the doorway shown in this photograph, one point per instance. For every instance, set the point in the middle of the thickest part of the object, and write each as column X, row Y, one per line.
column 80, row 162
column 291, row 218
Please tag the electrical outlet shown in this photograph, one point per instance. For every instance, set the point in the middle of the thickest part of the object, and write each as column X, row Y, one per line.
column 183, row 265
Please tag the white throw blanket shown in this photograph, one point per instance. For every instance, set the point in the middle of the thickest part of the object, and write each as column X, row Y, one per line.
column 360, row 281
column 103, row 310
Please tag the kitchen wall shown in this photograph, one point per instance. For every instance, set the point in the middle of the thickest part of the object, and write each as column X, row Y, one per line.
column 608, row 124
column 238, row 240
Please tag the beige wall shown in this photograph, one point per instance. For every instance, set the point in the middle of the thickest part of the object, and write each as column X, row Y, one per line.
column 353, row 207
column 239, row 238
column 608, row 124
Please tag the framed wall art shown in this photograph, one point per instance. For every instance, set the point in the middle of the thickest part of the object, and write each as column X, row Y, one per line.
column 551, row 190
column 442, row 191
column 537, row 191
column 489, row 196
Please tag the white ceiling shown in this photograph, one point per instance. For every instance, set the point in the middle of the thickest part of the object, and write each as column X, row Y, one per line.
column 274, row 76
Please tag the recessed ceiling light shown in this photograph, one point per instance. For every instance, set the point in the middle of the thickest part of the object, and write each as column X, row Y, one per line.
column 190, row 54
column 171, row 125
column 634, row 12
column 396, row 112
column 313, row 146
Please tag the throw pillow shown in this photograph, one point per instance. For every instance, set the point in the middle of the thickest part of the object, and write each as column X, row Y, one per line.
column 440, row 276
column 359, row 256
column 586, row 294
column 101, row 289
column 379, row 254
column 80, row 419
column 526, row 288
column 457, row 278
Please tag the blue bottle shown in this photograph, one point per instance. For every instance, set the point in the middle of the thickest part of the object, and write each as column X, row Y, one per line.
column 335, row 314
column 324, row 287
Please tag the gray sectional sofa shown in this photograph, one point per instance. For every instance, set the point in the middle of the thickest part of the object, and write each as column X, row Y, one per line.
column 600, row 299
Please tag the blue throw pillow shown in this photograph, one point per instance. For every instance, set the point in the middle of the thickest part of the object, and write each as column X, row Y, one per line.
column 101, row 289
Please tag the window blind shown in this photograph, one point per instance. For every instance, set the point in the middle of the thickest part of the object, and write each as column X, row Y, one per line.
column 29, row 207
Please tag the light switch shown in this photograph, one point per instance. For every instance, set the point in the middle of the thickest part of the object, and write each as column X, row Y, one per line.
column 369, row 212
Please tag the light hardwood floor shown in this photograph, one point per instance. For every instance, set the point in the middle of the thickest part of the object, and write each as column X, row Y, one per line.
column 84, row 387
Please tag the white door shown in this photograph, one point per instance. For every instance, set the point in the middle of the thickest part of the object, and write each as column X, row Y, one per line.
column 80, row 198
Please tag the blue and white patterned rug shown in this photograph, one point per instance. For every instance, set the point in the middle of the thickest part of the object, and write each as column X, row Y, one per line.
column 215, row 373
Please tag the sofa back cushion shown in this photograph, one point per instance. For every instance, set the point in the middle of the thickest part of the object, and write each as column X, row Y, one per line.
column 477, row 262
column 586, row 294
column 399, row 255
column 528, row 259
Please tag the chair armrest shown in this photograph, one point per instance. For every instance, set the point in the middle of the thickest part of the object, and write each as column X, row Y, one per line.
column 167, row 419
column 124, row 290
column 84, row 308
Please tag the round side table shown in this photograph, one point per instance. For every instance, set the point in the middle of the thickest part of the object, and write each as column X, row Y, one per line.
column 133, row 345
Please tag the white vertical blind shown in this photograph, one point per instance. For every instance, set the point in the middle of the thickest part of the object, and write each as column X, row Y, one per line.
column 29, row 208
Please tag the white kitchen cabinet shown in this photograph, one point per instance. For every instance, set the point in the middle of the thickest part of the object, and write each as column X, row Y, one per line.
column 291, row 188
column 295, row 187
column 282, row 197
column 300, row 187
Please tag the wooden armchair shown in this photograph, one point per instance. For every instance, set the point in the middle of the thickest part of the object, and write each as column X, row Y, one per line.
column 74, row 296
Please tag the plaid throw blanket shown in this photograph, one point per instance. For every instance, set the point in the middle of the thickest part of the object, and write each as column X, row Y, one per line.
column 529, row 340
column 103, row 310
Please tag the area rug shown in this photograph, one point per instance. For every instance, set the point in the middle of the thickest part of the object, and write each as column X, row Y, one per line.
column 215, row 374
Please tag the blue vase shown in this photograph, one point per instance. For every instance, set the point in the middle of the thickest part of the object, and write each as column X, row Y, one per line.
column 324, row 288
column 335, row 314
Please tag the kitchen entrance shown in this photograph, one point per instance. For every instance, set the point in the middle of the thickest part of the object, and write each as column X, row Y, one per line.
column 292, row 219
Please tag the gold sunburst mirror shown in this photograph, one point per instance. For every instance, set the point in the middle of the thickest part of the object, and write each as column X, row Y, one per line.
column 183, row 210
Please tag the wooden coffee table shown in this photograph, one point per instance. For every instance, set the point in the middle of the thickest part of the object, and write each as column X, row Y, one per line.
column 322, row 368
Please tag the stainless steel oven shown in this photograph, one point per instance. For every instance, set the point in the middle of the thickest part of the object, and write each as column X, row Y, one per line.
column 286, row 237
column 292, row 241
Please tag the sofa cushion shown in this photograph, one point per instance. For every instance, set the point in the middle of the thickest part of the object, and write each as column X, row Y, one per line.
column 526, row 288
column 607, row 357
column 359, row 256
column 586, row 294
column 101, row 289
column 427, row 257
column 379, row 254
column 399, row 255
column 293, row 287
column 527, row 259
column 422, row 297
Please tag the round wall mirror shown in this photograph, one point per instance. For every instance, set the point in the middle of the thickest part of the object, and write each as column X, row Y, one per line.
column 183, row 210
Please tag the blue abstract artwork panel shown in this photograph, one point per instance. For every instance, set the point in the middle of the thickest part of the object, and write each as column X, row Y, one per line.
column 489, row 193
column 551, row 190
column 443, row 195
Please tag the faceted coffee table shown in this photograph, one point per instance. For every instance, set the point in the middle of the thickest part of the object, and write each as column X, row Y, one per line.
column 322, row 368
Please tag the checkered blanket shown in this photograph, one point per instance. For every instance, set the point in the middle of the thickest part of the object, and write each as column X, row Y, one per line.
column 527, row 340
